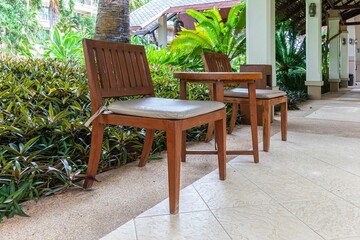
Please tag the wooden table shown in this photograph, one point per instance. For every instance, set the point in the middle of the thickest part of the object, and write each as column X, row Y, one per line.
column 219, row 79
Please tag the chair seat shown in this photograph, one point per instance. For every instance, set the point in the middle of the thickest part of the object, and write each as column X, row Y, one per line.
column 164, row 108
column 260, row 93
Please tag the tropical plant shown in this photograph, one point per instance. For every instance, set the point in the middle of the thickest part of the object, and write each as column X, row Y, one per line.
column 212, row 34
column 135, row 4
column 113, row 21
column 290, row 48
column 80, row 23
column 19, row 27
column 161, row 56
column 290, row 63
column 64, row 45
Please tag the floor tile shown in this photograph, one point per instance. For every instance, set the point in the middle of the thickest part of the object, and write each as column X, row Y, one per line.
column 281, row 183
column 344, row 157
column 325, row 175
column 235, row 191
column 190, row 201
column 351, row 238
column 332, row 219
column 354, row 199
column 186, row 226
column 266, row 222
column 338, row 112
column 126, row 231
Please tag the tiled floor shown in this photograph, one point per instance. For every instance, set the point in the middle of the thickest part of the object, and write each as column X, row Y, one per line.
column 338, row 112
column 305, row 188
column 309, row 188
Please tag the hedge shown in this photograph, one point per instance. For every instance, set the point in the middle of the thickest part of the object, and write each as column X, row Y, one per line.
column 44, row 144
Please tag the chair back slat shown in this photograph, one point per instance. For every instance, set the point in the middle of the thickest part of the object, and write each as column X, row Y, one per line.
column 216, row 62
column 108, row 67
column 116, row 69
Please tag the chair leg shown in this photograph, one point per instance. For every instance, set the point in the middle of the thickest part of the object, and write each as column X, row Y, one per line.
column 234, row 112
column 210, row 131
column 220, row 134
column 149, row 138
column 97, row 135
column 173, row 144
column 283, row 109
column 266, row 121
column 183, row 147
column 210, row 128
column 253, row 121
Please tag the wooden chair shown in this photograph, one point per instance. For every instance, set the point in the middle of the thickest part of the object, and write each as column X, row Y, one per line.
column 217, row 62
column 121, row 70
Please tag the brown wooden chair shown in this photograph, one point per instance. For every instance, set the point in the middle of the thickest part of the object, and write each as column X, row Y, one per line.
column 266, row 98
column 121, row 70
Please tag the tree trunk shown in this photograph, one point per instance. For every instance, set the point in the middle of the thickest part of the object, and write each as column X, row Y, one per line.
column 113, row 21
column 53, row 14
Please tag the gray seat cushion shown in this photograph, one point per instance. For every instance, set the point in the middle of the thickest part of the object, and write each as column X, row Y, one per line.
column 260, row 93
column 164, row 108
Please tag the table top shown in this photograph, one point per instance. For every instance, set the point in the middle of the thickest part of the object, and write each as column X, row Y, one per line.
column 215, row 76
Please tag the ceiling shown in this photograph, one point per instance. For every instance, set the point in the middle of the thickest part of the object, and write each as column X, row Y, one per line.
column 295, row 10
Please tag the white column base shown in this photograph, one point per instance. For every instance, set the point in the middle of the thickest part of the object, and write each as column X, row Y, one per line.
column 344, row 83
column 334, row 85
column 314, row 89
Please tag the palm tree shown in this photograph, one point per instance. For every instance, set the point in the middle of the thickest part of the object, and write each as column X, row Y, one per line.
column 53, row 13
column 113, row 21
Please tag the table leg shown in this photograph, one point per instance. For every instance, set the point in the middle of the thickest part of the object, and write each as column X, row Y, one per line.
column 183, row 139
column 253, row 119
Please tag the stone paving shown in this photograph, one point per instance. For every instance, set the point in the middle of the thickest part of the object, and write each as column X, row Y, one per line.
column 306, row 188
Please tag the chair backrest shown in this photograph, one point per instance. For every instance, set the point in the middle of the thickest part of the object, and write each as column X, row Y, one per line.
column 219, row 62
column 116, row 70
column 265, row 69
column 216, row 62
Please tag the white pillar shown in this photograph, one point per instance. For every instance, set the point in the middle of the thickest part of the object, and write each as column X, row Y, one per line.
column 260, row 33
column 162, row 31
column 313, row 50
column 357, row 50
column 344, row 52
column 334, row 65
column 351, row 46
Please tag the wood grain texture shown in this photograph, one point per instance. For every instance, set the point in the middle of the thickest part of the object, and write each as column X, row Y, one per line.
column 121, row 70
column 217, row 62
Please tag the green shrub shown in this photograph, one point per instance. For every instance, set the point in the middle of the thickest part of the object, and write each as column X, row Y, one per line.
column 44, row 145
column 293, row 83
column 293, row 80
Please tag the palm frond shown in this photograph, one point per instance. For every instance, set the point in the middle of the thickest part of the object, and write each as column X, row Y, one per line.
column 196, row 14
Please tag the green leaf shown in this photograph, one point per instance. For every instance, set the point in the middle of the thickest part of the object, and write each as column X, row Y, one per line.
column 28, row 145
column 19, row 210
